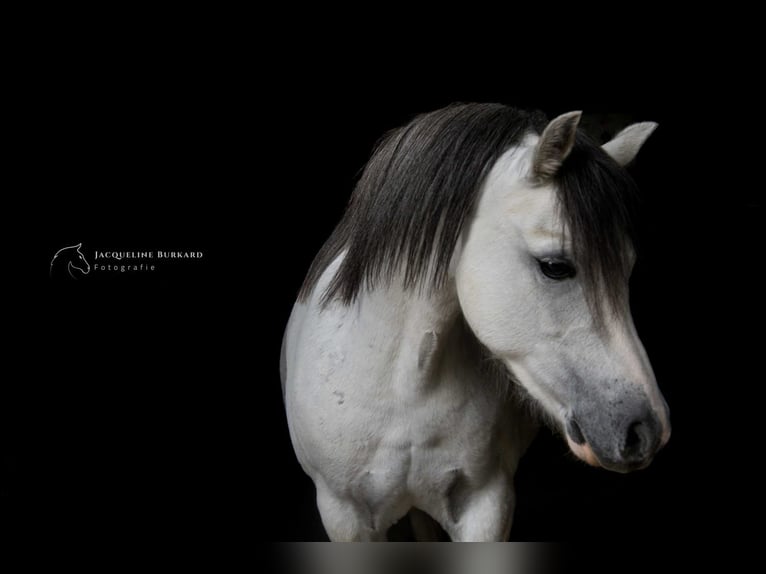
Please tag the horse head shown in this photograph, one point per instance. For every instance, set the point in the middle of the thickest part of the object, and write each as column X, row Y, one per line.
column 542, row 280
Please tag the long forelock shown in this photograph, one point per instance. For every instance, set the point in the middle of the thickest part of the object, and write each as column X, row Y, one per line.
column 597, row 202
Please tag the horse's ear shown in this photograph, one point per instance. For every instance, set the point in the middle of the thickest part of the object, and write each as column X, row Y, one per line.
column 79, row 245
column 625, row 145
column 554, row 145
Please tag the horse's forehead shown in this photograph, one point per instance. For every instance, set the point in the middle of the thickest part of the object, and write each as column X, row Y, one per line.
column 533, row 208
column 530, row 209
column 535, row 212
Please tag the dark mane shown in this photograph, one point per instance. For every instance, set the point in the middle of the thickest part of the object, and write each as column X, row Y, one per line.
column 422, row 181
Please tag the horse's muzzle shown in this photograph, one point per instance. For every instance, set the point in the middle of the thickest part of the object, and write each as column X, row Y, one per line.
column 620, row 443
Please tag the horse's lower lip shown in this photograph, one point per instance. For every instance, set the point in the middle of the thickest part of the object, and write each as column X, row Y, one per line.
column 625, row 468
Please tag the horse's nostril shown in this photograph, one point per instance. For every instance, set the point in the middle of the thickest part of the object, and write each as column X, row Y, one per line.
column 574, row 432
column 637, row 440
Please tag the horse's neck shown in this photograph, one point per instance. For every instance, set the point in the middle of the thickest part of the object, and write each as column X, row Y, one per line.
column 415, row 313
column 405, row 333
column 423, row 331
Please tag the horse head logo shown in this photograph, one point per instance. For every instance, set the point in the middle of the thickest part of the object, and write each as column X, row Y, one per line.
column 69, row 259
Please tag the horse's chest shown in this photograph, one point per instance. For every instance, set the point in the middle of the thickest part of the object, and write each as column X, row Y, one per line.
column 433, row 435
column 420, row 453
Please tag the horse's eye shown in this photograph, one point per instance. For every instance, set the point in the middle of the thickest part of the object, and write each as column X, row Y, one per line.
column 558, row 269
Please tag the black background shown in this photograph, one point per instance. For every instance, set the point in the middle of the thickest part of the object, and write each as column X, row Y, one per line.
column 149, row 409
